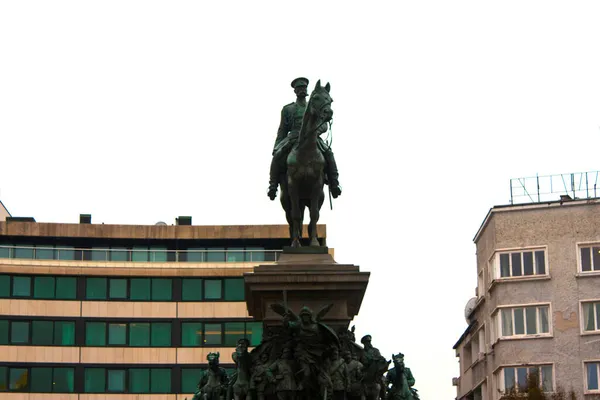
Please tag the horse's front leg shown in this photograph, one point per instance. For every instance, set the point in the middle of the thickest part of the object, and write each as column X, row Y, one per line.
column 296, row 216
column 314, row 218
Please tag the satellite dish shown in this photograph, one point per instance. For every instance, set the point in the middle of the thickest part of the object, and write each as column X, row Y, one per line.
column 160, row 223
column 469, row 308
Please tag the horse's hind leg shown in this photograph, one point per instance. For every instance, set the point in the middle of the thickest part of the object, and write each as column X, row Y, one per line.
column 296, row 216
column 314, row 218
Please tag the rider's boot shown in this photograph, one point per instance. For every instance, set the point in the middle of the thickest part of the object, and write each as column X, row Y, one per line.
column 273, row 177
column 332, row 175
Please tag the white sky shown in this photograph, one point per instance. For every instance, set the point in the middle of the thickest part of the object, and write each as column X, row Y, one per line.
column 140, row 111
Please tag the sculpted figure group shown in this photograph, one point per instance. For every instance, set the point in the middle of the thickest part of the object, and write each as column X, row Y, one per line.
column 305, row 360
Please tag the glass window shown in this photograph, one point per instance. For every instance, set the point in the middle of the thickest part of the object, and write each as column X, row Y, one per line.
column 161, row 380
column 43, row 287
column 515, row 259
column 18, row 379
column 117, row 334
column 23, row 252
column 3, row 333
column 161, row 334
column 139, row 334
column 95, row 334
column 546, row 382
column 19, row 332
column 99, row 254
column 586, row 260
column 161, row 289
column 195, row 254
column 3, row 381
column 95, row 288
column 44, row 252
column 95, row 380
column 5, row 250
column 528, row 263
column 235, row 254
column 233, row 332
column 41, row 380
column 66, row 288
column 41, row 333
column 216, row 254
column 64, row 333
column 140, row 289
column 234, row 289
column 4, row 285
column 191, row 334
column 189, row 379
column 509, row 378
column 139, row 380
column 519, row 323
column 158, row 254
column 212, row 289
column 255, row 254
column 64, row 380
column 119, row 254
column 65, row 253
column 254, row 332
column 139, row 254
column 592, row 376
column 540, row 262
column 212, row 334
column 507, row 323
column 116, row 380
column 191, row 289
column 596, row 258
column 21, row 286
column 118, row 288
column 530, row 320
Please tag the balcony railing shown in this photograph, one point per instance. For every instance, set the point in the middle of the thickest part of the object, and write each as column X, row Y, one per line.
column 139, row 254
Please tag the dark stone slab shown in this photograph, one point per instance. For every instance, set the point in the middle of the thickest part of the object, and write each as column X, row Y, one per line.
column 306, row 250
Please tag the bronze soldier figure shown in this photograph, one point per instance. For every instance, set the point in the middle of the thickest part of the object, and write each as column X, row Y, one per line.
column 287, row 136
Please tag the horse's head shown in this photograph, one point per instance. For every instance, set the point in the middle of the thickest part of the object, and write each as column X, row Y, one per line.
column 213, row 359
column 320, row 101
column 398, row 360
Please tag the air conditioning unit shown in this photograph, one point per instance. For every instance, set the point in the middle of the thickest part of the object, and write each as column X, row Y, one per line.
column 455, row 381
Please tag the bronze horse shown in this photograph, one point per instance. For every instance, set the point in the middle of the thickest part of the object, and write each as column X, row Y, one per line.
column 303, row 187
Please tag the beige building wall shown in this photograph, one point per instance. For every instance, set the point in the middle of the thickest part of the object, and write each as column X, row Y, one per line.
column 3, row 212
column 558, row 229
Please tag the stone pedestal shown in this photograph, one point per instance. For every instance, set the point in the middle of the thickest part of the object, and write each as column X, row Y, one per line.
column 310, row 277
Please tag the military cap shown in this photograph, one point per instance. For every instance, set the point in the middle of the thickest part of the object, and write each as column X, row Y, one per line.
column 299, row 82
column 365, row 338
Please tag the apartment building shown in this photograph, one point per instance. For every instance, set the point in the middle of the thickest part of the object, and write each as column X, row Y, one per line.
column 129, row 310
column 537, row 305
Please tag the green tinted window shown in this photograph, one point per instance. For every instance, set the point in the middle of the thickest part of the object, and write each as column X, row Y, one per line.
column 234, row 289
column 19, row 332
column 158, row 254
column 64, row 380
column 140, row 289
column 118, row 288
column 95, row 334
column 5, row 250
column 3, row 334
column 255, row 254
column 139, row 380
column 65, row 253
column 41, row 380
column 161, row 334
column 3, row 381
column 64, row 333
column 216, row 254
column 191, row 334
column 43, row 287
column 66, row 288
column 233, row 332
column 18, row 379
column 235, row 254
column 41, row 333
column 44, row 252
column 4, row 285
column 21, row 286
column 119, row 254
column 23, row 252
column 161, row 289
column 139, row 334
column 254, row 332
column 95, row 380
column 191, row 289
column 161, row 380
column 189, row 379
column 139, row 254
column 95, row 288
column 195, row 254
column 99, row 255
column 212, row 289
column 116, row 380
column 117, row 334
column 212, row 334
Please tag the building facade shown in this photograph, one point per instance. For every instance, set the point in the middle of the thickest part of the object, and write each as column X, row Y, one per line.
column 129, row 310
column 537, row 306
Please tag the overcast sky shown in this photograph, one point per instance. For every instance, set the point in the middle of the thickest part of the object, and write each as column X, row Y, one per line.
column 140, row 111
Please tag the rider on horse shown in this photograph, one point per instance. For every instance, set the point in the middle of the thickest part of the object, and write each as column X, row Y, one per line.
column 287, row 136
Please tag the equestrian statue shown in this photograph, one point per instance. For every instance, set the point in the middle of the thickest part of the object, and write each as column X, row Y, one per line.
column 302, row 162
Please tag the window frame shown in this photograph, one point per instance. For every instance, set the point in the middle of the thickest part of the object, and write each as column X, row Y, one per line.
column 32, row 280
column 30, row 321
column 596, row 317
column 579, row 247
column 497, row 316
column 127, row 323
column 585, row 376
column 497, row 273
column 28, row 367
column 501, row 379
